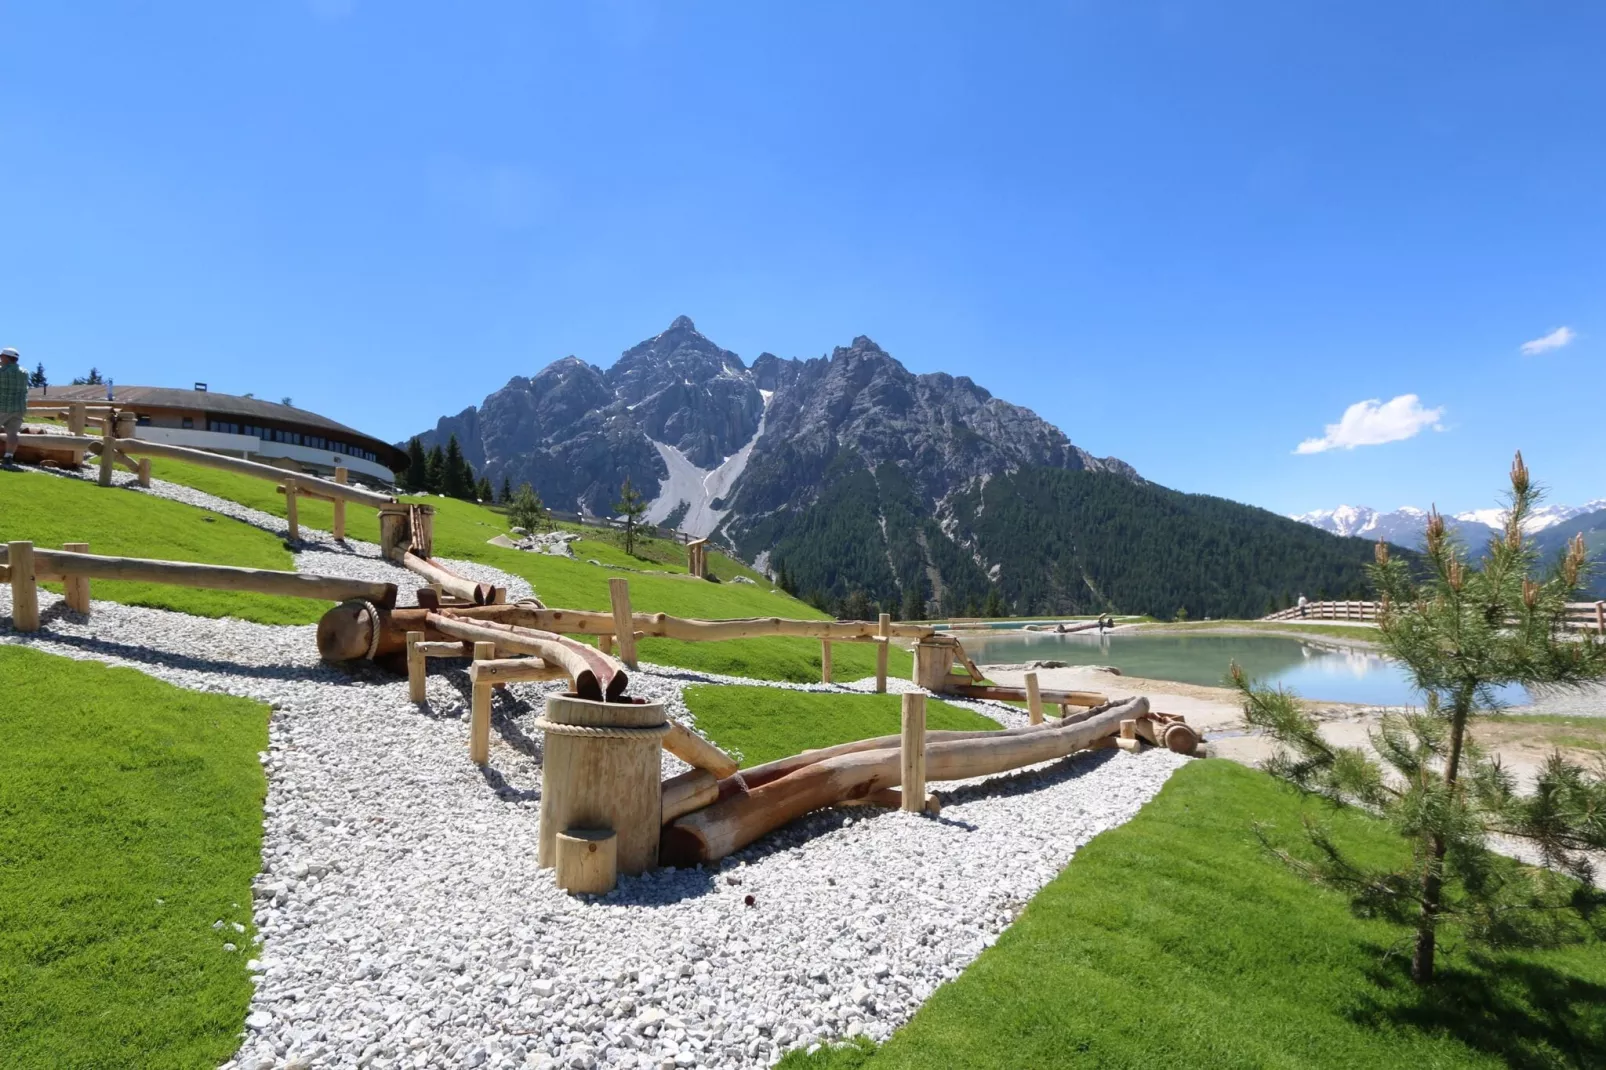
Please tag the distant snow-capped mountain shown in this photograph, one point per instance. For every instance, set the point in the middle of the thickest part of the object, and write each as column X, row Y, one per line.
column 1404, row 526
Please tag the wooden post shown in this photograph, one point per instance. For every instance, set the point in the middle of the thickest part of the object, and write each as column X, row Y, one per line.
column 605, row 644
column 392, row 530
column 75, row 418
column 415, row 667
column 1034, row 700
column 881, row 655
column 144, row 473
column 588, row 861
column 340, row 508
column 292, row 511
column 125, row 423
column 825, row 661
column 24, row 587
column 479, row 721
column 914, row 751
column 108, row 451
column 601, row 768
column 77, row 586
column 624, row 625
column 1600, row 617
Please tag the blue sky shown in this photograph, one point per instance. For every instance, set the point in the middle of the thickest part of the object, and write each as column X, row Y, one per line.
column 1192, row 235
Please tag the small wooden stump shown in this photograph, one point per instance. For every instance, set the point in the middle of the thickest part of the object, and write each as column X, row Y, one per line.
column 479, row 720
column 914, row 752
column 143, row 472
column 77, row 587
column 588, row 861
column 601, row 769
column 1034, row 700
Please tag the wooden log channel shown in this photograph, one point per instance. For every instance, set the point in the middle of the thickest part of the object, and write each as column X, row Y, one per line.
column 734, row 822
column 344, row 635
column 478, row 594
column 52, row 565
column 595, row 676
column 1019, row 694
column 139, row 447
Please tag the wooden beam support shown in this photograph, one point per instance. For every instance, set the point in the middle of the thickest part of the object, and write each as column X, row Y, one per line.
column 77, row 587
column 341, row 477
column 415, row 667
column 24, row 587
column 1034, row 700
column 479, row 722
column 885, row 624
column 292, row 509
column 623, row 621
column 108, row 453
column 825, row 661
column 912, row 751
column 515, row 671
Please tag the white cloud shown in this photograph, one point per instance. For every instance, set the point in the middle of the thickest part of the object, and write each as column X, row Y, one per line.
column 1372, row 423
column 1554, row 340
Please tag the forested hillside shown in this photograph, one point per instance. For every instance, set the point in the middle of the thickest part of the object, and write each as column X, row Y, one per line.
column 1055, row 541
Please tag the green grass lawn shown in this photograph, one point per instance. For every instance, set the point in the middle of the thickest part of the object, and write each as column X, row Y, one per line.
column 763, row 723
column 1175, row 941
column 50, row 510
column 130, row 822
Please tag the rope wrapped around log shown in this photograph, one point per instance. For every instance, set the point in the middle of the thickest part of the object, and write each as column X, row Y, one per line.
column 602, row 731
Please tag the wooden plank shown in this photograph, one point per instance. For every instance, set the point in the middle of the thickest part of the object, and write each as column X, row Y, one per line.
column 624, row 632
column 24, row 586
column 52, row 565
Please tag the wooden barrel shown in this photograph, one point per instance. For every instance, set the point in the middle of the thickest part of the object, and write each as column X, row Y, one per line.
column 601, row 769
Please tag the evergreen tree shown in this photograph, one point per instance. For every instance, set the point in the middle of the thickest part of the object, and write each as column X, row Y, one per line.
column 413, row 478
column 857, row 606
column 435, row 470
column 526, row 510
column 630, row 506
column 483, row 491
column 1461, row 632
column 455, row 475
column 92, row 379
column 507, row 492
column 914, row 606
column 995, row 604
column 37, row 379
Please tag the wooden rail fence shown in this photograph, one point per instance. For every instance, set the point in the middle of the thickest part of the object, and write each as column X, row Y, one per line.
column 1579, row 614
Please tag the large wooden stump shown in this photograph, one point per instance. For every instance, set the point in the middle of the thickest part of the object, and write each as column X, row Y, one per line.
column 601, row 769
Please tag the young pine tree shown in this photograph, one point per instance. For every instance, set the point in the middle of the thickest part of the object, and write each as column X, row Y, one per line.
column 914, row 603
column 37, row 379
column 1461, row 630
column 483, row 491
column 506, row 497
column 526, row 510
column 994, row 606
column 417, row 465
column 630, row 506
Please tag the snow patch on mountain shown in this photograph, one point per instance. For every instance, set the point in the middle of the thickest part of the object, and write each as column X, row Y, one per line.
column 701, row 487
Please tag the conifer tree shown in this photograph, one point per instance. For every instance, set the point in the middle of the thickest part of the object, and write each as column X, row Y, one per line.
column 483, row 491
column 914, row 604
column 455, row 476
column 995, row 604
column 506, row 497
column 630, row 506
column 37, row 379
column 435, row 470
column 413, row 477
column 1462, row 631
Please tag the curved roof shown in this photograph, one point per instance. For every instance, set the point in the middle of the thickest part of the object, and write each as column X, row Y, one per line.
column 208, row 401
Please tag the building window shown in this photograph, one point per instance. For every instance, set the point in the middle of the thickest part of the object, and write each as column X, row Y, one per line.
column 188, row 423
column 142, row 421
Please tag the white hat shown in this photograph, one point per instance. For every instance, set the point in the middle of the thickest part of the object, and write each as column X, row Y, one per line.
column 9, row 352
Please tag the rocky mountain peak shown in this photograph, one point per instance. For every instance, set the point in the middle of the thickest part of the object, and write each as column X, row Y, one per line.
column 683, row 323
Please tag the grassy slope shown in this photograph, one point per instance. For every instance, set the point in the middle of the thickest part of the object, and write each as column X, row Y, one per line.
column 50, row 510
column 462, row 531
column 130, row 822
column 1176, row 941
column 763, row 724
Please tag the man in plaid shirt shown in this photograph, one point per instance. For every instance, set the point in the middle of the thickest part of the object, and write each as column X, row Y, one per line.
column 13, row 398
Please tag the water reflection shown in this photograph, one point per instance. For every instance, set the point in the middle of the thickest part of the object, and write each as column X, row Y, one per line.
column 1314, row 671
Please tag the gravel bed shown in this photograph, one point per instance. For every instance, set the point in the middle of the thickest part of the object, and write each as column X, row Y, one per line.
column 403, row 921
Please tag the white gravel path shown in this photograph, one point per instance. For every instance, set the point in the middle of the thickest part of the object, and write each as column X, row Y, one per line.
column 404, row 921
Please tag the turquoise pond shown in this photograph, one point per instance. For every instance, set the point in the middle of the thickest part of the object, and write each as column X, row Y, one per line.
column 1310, row 669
